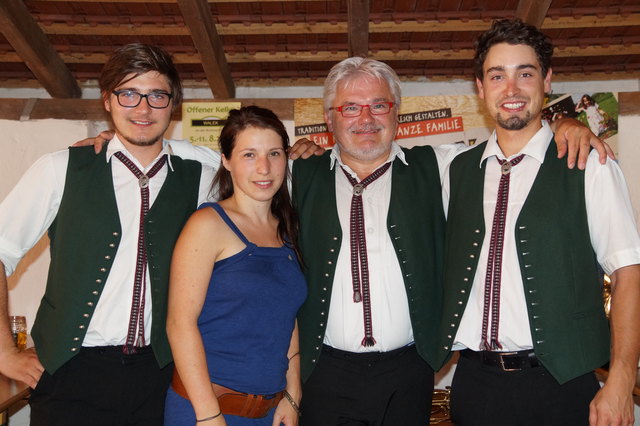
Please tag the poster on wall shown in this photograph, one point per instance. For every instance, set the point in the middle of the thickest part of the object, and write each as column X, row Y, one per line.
column 203, row 121
column 436, row 120
column 598, row 111
column 422, row 120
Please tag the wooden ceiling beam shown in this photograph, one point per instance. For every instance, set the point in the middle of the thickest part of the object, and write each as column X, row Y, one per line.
column 454, row 25
column 93, row 109
column 175, row 1
column 331, row 56
column 23, row 33
column 197, row 17
column 358, row 27
column 533, row 12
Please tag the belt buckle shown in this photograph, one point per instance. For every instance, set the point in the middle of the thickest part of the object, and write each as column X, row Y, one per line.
column 502, row 364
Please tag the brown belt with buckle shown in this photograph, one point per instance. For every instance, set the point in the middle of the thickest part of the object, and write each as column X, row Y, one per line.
column 233, row 402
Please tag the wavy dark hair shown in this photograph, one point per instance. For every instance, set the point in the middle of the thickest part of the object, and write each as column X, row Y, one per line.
column 513, row 31
column 138, row 59
column 281, row 207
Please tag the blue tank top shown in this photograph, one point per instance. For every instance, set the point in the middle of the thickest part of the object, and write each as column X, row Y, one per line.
column 249, row 314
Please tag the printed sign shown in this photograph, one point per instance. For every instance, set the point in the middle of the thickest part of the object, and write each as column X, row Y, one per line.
column 203, row 121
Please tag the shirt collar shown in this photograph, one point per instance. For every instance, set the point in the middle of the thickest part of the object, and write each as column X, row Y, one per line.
column 396, row 151
column 116, row 145
column 536, row 147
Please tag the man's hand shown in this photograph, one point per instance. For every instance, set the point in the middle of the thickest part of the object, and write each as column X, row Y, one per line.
column 304, row 148
column 97, row 142
column 23, row 366
column 612, row 406
column 575, row 140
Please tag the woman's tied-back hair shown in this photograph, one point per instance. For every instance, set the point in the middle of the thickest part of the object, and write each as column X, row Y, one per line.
column 349, row 68
column 137, row 59
column 259, row 118
column 513, row 31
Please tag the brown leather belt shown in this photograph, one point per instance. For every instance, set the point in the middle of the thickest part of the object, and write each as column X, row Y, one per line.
column 232, row 402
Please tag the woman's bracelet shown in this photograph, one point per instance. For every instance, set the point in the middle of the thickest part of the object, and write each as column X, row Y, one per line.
column 292, row 402
column 206, row 419
column 294, row 355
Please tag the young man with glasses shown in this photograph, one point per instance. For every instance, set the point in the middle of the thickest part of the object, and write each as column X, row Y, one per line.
column 101, row 349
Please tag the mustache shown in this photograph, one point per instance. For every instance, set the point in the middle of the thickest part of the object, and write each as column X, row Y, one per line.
column 366, row 128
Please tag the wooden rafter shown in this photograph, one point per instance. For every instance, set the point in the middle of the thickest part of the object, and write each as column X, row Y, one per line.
column 28, row 40
column 197, row 17
column 358, row 27
column 172, row 1
column 329, row 56
column 533, row 12
column 59, row 28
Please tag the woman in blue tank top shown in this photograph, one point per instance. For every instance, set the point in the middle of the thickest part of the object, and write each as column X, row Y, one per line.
column 236, row 287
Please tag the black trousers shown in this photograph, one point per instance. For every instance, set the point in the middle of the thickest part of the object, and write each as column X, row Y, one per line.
column 102, row 386
column 375, row 389
column 484, row 395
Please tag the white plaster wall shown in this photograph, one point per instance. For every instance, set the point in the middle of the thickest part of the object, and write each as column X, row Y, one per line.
column 413, row 88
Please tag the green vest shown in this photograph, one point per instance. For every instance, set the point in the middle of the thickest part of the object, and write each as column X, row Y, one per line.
column 562, row 287
column 85, row 236
column 415, row 223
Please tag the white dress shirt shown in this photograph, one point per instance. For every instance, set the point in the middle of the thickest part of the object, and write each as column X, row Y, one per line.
column 389, row 305
column 611, row 223
column 32, row 205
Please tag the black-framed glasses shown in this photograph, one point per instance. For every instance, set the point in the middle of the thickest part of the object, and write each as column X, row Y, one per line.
column 131, row 98
column 354, row 110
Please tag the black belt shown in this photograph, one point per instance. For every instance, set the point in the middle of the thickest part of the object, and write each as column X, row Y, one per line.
column 366, row 356
column 118, row 350
column 506, row 361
